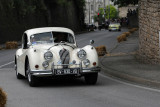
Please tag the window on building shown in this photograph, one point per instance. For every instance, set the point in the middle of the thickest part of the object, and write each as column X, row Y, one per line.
column 92, row 7
column 99, row 6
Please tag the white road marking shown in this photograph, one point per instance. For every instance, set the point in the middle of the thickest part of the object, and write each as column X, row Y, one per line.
column 125, row 83
column 6, row 64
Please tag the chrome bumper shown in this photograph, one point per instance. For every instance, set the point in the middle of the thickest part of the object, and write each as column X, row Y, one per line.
column 83, row 71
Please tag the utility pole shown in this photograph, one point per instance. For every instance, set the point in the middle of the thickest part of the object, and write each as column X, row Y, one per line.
column 109, row 10
column 89, row 9
column 104, row 11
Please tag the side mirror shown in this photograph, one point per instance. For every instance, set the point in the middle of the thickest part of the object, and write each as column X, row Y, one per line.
column 91, row 42
column 29, row 44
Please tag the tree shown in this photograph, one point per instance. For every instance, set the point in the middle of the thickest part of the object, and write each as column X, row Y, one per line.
column 113, row 13
column 122, row 3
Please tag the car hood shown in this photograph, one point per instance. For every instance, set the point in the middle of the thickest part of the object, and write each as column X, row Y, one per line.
column 53, row 47
column 114, row 25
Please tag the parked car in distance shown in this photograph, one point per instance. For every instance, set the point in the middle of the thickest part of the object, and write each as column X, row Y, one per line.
column 91, row 27
column 114, row 27
column 53, row 52
column 103, row 26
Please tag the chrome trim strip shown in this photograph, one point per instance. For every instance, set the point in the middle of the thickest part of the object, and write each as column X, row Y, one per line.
column 91, row 70
column 35, row 71
column 41, row 72
column 51, row 73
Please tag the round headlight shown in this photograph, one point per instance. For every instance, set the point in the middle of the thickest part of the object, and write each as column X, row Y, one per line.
column 82, row 54
column 45, row 64
column 86, row 62
column 48, row 55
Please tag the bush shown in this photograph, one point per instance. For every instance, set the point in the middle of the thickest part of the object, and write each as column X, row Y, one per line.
column 11, row 45
column 101, row 50
column 3, row 98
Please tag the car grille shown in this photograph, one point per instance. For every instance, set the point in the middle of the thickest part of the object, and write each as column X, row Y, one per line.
column 65, row 57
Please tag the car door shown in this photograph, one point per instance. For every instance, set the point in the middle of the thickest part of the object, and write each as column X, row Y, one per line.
column 22, row 56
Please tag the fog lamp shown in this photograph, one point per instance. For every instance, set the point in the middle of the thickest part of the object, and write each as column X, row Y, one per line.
column 45, row 64
column 86, row 62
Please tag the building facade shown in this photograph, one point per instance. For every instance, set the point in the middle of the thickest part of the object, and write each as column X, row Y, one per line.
column 92, row 7
column 124, row 10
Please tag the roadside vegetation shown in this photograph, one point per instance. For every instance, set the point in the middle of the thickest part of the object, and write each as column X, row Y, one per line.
column 104, row 13
column 19, row 15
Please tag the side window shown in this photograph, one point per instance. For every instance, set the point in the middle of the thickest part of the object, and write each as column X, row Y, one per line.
column 70, row 38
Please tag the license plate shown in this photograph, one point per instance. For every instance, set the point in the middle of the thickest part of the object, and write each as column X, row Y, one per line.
column 114, row 29
column 66, row 71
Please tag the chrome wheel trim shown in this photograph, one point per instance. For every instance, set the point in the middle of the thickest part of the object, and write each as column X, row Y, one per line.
column 15, row 67
column 16, row 73
column 29, row 77
column 28, row 73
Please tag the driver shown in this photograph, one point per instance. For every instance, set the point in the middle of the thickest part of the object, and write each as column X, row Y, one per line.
column 59, row 38
column 34, row 39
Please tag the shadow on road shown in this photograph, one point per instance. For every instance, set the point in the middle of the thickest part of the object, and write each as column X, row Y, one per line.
column 61, row 82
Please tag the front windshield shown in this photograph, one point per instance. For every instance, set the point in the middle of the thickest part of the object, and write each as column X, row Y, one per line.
column 62, row 37
column 52, row 37
column 42, row 38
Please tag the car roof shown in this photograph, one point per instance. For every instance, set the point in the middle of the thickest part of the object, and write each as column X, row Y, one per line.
column 48, row 29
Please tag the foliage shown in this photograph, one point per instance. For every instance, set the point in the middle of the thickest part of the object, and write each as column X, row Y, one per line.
column 22, row 7
column 113, row 13
column 122, row 3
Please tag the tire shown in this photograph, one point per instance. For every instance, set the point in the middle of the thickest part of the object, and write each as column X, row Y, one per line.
column 31, row 79
column 91, row 79
column 19, row 76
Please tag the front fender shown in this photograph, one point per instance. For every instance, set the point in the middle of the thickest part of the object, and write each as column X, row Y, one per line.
column 35, row 57
column 91, row 56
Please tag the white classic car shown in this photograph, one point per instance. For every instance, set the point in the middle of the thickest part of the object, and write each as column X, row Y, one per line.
column 52, row 51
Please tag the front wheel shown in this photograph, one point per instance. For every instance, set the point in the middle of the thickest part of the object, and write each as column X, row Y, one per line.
column 91, row 79
column 31, row 79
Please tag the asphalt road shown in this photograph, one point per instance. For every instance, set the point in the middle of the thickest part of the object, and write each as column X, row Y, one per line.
column 107, row 92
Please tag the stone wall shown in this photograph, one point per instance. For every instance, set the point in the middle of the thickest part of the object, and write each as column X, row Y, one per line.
column 149, row 27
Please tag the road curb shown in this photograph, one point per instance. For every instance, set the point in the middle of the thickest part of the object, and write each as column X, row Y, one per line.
column 138, row 80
